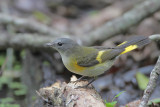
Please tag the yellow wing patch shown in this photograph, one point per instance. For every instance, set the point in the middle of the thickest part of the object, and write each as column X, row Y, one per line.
column 129, row 48
column 98, row 58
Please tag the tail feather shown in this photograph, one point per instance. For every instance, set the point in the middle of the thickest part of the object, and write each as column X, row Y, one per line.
column 133, row 44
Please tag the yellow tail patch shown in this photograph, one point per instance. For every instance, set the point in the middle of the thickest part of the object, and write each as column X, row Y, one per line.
column 122, row 43
column 129, row 48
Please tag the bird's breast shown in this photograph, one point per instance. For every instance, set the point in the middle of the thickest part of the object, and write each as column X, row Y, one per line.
column 71, row 65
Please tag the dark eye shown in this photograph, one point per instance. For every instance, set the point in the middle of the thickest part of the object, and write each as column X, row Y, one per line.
column 59, row 44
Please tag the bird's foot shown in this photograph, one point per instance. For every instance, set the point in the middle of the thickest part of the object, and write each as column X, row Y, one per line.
column 80, row 79
column 87, row 85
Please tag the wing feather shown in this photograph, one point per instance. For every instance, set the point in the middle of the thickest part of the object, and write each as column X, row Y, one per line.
column 98, row 56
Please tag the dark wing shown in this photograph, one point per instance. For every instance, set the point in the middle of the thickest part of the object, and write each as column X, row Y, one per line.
column 109, row 53
column 87, row 60
column 103, row 47
column 101, row 55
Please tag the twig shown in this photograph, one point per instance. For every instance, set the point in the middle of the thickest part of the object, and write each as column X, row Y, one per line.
column 20, row 41
column 28, row 24
column 151, row 85
column 113, row 11
column 73, row 98
column 46, row 100
column 155, row 37
column 123, row 23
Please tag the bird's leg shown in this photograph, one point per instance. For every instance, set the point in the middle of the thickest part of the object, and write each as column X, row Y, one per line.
column 85, row 86
column 79, row 79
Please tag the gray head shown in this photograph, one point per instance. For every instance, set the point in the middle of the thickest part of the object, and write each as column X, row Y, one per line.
column 62, row 44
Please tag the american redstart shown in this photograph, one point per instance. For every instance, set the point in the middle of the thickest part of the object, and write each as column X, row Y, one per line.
column 93, row 61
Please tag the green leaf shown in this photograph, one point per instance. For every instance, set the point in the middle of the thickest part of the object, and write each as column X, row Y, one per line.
column 117, row 95
column 20, row 92
column 23, row 53
column 7, row 100
column 17, row 67
column 21, row 89
column 34, row 98
column 2, row 59
column 142, row 80
column 46, row 63
column 17, row 85
column 14, row 105
column 111, row 104
column 2, row 105
column 9, row 105
column 157, row 100
column 4, row 80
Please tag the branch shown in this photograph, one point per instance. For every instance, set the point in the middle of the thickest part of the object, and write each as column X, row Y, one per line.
column 155, row 37
column 28, row 24
column 20, row 41
column 151, row 85
column 122, row 23
column 34, row 41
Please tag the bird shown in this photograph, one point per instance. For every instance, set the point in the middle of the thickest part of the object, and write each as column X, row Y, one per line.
column 95, row 60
